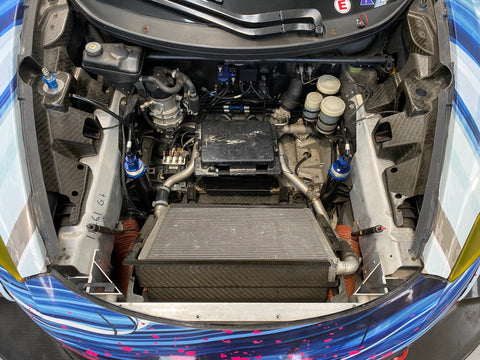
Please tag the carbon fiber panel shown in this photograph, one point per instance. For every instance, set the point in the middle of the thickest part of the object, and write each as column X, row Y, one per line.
column 238, row 294
column 239, row 199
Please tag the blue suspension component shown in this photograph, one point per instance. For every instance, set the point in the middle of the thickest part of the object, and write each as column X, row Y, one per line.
column 134, row 167
column 340, row 169
column 49, row 79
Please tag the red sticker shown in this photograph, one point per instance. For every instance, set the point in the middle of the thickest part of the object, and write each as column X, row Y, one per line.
column 343, row 6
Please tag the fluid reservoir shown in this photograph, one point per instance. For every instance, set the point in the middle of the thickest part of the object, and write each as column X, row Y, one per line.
column 328, row 85
column 311, row 108
column 331, row 109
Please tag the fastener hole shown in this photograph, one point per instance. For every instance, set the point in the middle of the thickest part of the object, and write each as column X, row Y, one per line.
column 74, row 193
column 398, row 196
column 393, row 170
column 421, row 92
column 80, row 167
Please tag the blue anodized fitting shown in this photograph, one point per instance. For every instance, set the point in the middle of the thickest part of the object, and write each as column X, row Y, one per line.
column 134, row 167
column 340, row 169
column 49, row 79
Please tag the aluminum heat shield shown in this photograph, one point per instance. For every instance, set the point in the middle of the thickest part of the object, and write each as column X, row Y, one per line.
column 236, row 254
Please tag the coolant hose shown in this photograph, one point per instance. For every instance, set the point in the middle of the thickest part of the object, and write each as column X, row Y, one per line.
column 164, row 87
column 163, row 192
column 349, row 262
column 345, row 232
column 291, row 97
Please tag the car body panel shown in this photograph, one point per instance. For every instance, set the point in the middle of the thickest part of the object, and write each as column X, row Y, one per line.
column 374, row 331
column 459, row 192
column 17, row 225
column 98, row 330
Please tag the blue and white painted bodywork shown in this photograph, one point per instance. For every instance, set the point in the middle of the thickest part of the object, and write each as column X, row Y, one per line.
column 459, row 193
column 18, row 229
column 374, row 331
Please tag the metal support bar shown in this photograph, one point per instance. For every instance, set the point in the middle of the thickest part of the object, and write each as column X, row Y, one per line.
column 385, row 60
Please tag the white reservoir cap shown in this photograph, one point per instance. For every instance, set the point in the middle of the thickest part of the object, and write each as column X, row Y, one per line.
column 328, row 84
column 313, row 101
column 93, row 49
column 333, row 106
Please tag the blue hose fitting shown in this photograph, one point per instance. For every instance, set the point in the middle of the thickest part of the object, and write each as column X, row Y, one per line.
column 340, row 169
column 49, row 79
column 134, row 167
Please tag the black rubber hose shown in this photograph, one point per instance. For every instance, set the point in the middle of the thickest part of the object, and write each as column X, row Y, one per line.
column 333, row 153
column 291, row 97
column 193, row 101
column 164, row 87
column 306, row 156
column 149, row 121
column 181, row 81
column 188, row 83
column 346, row 248
column 162, row 197
column 98, row 106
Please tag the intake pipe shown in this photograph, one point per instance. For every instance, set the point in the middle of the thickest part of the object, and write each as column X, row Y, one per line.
column 290, row 98
column 163, row 191
column 349, row 262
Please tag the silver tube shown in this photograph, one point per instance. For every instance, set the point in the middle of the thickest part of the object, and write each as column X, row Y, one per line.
column 299, row 184
column 294, row 129
column 294, row 179
column 348, row 265
column 349, row 262
column 319, row 208
column 185, row 173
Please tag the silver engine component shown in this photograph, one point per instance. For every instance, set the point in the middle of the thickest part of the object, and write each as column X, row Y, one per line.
column 386, row 256
column 166, row 113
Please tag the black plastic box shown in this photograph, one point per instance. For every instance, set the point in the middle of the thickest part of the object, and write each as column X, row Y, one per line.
column 239, row 147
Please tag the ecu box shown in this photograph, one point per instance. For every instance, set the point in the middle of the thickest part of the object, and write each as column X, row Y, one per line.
column 237, row 147
column 236, row 254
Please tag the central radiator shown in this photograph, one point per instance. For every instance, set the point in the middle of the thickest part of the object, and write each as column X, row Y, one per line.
column 236, row 254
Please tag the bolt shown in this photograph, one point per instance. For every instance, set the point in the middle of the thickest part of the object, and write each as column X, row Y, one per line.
column 333, row 32
column 123, row 102
column 278, row 316
column 46, row 73
column 359, row 24
column 145, row 28
column 423, row 5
